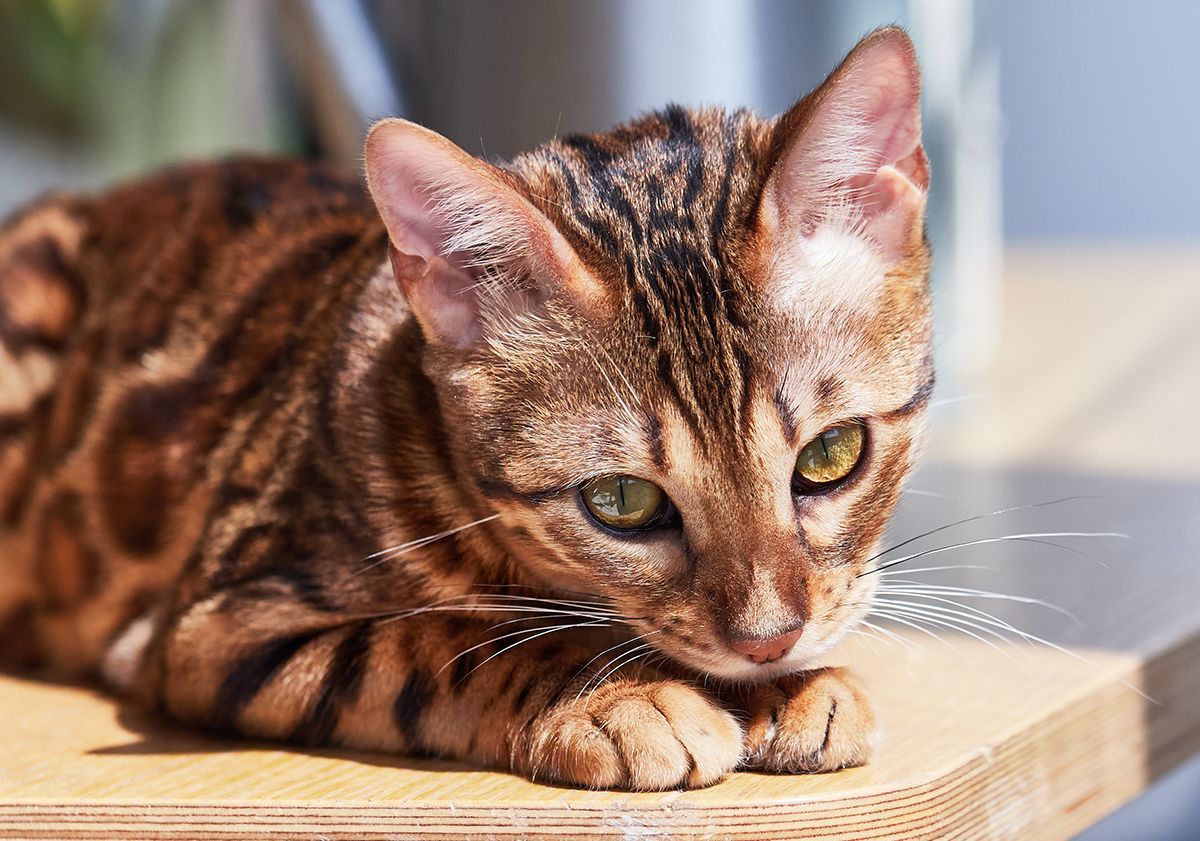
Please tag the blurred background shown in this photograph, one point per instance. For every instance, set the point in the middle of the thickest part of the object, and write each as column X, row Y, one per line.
column 1037, row 115
column 1050, row 126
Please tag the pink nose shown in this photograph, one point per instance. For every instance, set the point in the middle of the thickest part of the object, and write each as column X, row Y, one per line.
column 768, row 650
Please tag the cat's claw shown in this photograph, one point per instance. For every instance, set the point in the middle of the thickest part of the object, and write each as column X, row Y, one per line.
column 640, row 736
column 810, row 722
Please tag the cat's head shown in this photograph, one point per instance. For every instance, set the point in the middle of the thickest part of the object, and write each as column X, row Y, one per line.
column 685, row 360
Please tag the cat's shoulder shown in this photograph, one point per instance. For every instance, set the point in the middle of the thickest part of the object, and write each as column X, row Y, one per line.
column 238, row 190
column 239, row 193
column 243, row 199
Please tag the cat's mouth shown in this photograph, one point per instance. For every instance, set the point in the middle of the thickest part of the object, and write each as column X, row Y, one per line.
column 769, row 659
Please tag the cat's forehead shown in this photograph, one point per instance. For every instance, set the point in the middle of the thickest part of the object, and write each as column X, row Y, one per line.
column 658, row 207
column 671, row 181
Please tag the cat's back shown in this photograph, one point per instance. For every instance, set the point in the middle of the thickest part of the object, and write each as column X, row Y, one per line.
column 164, row 253
column 145, row 333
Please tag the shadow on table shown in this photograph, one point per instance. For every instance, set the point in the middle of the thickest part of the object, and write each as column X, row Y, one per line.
column 160, row 737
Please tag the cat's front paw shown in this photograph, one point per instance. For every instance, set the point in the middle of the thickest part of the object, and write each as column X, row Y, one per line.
column 641, row 736
column 813, row 721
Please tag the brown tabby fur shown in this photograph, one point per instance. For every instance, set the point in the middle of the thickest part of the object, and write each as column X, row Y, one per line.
column 216, row 409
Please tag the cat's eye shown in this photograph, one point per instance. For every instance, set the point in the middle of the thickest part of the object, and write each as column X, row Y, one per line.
column 626, row 503
column 829, row 458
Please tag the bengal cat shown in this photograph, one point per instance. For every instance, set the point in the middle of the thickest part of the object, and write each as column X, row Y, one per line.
column 569, row 465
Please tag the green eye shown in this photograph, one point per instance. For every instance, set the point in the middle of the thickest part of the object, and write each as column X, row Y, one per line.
column 625, row 503
column 830, row 456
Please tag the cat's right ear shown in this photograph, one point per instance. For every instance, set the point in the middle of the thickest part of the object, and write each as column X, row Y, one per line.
column 851, row 150
column 467, row 245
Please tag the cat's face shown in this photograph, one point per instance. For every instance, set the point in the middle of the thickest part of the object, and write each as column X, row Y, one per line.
column 686, row 361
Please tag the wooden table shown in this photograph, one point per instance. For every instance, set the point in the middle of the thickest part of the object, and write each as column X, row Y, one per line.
column 1096, row 394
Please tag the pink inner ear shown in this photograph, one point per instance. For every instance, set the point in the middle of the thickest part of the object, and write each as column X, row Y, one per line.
column 446, row 212
column 861, row 147
column 882, row 85
column 915, row 167
column 450, row 214
column 442, row 296
column 895, row 131
column 410, row 171
column 890, row 202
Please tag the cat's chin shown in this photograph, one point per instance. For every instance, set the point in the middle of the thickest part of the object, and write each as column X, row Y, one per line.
column 765, row 672
column 738, row 669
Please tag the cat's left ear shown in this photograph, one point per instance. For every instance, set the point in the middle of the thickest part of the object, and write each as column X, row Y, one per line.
column 468, row 246
column 850, row 152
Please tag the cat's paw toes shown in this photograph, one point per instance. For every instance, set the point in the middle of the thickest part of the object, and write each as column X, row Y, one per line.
column 815, row 721
column 640, row 736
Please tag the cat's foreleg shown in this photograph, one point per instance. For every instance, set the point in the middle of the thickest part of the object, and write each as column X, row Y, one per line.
column 634, row 733
column 819, row 720
column 256, row 662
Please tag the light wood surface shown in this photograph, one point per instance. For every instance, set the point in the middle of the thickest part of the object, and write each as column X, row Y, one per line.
column 1095, row 395
column 1098, row 348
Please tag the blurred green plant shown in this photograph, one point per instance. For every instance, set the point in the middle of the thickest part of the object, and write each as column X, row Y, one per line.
column 48, row 55
column 119, row 86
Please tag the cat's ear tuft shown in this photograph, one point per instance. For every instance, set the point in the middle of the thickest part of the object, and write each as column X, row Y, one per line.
column 850, row 152
column 467, row 245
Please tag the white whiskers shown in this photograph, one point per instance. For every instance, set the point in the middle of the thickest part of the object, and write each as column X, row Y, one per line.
column 1030, row 537
column 932, row 609
column 974, row 519
column 385, row 555
column 620, row 659
column 567, row 614
column 940, row 592
column 926, row 606
column 628, row 658
column 526, row 634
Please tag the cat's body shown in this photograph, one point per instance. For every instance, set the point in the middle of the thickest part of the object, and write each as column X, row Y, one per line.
column 226, row 417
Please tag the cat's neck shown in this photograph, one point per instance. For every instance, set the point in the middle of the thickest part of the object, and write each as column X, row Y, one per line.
column 385, row 420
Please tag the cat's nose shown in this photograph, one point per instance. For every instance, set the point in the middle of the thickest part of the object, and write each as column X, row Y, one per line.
column 767, row 650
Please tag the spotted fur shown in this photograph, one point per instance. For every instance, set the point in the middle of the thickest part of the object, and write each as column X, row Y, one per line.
column 231, row 411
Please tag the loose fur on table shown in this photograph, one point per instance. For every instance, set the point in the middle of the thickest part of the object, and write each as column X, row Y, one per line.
column 290, row 458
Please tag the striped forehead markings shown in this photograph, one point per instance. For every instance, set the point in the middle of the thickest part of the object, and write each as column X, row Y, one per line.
column 675, row 271
column 787, row 417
